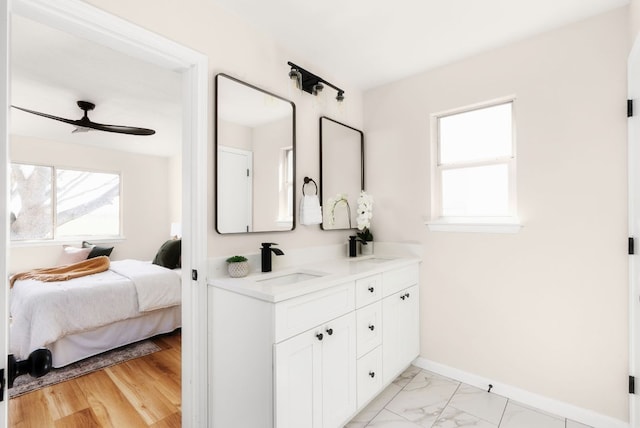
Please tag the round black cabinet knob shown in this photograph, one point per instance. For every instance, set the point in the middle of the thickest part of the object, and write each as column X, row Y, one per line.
column 329, row 331
column 372, row 327
column 371, row 289
column 319, row 336
column 404, row 296
column 372, row 374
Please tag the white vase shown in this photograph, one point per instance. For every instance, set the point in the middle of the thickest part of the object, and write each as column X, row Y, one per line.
column 366, row 249
column 238, row 269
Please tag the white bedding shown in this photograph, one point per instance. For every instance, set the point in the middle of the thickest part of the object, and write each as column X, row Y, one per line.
column 42, row 313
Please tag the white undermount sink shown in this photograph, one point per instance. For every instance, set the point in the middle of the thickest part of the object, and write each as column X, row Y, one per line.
column 290, row 278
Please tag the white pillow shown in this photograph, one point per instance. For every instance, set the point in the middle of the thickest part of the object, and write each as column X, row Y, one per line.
column 72, row 254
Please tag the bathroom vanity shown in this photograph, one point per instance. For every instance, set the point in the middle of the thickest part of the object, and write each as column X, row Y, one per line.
column 310, row 346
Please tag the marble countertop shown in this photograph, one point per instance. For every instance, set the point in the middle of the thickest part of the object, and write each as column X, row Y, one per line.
column 281, row 284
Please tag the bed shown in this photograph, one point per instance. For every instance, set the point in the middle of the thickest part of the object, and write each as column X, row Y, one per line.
column 82, row 317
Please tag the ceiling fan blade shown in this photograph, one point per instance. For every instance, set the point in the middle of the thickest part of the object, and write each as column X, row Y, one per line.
column 61, row 119
column 130, row 130
column 85, row 122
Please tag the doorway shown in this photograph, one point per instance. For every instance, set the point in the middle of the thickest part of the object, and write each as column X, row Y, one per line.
column 83, row 20
column 633, row 76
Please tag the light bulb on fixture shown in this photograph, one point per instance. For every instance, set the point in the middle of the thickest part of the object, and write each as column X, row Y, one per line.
column 296, row 78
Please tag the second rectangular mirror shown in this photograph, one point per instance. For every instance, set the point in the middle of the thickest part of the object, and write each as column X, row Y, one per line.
column 341, row 173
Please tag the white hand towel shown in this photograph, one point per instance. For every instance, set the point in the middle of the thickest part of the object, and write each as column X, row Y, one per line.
column 310, row 210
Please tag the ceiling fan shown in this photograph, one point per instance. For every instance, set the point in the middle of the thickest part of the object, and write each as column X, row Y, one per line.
column 85, row 124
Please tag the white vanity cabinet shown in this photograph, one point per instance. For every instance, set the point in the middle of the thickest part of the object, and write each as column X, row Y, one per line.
column 313, row 356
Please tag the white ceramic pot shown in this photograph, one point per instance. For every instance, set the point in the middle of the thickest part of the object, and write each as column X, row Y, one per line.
column 366, row 249
column 238, row 269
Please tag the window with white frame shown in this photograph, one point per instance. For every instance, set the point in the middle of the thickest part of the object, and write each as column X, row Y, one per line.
column 474, row 171
column 57, row 203
column 285, row 213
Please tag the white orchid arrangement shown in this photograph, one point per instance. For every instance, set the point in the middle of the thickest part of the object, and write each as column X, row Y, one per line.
column 365, row 214
column 334, row 202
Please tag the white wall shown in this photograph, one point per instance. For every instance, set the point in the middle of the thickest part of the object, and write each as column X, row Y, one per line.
column 146, row 199
column 634, row 20
column 243, row 52
column 544, row 310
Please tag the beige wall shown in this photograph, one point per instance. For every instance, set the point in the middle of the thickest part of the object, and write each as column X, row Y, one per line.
column 634, row 19
column 241, row 51
column 544, row 310
column 146, row 201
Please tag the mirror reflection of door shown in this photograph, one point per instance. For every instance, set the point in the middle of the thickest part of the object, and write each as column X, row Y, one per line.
column 235, row 169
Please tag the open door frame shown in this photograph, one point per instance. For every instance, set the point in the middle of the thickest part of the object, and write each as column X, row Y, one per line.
column 83, row 20
column 633, row 87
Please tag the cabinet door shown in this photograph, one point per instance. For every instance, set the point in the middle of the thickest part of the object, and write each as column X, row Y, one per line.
column 400, row 332
column 298, row 381
column 339, row 371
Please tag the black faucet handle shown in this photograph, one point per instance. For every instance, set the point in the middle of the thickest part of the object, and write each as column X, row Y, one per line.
column 268, row 244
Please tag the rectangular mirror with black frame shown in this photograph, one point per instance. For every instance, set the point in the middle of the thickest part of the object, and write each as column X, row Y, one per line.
column 341, row 173
column 255, row 158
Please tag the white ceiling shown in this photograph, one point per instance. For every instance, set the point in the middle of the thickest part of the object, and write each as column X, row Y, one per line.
column 371, row 42
column 364, row 43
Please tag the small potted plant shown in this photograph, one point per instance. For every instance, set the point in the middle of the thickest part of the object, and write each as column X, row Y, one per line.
column 237, row 266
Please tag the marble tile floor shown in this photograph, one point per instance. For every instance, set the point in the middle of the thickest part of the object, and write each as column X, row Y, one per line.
column 421, row 399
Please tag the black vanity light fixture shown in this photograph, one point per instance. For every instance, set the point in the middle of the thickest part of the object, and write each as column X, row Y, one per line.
column 311, row 83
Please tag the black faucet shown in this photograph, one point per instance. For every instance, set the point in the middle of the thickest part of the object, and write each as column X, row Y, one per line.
column 266, row 255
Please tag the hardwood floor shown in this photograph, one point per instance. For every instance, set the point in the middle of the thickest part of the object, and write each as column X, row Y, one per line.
column 144, row 392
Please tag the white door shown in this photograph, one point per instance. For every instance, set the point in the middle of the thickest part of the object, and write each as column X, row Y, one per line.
column 4, row 164
column 634, row 230
column 339, row 371
column 298, row 381
column 234, row 187
column 400, row 335
column 409, row 327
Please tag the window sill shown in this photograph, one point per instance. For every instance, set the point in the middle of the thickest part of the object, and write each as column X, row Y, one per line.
column 475, row 225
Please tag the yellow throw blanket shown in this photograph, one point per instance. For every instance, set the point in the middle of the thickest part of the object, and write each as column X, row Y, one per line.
column 66, row 272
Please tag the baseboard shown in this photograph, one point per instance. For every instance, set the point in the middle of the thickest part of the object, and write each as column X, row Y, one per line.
column 578, row 414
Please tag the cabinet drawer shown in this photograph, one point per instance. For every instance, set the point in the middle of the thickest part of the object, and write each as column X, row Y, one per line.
column 368, row 290
column 302, row 313
column 368, row 328
column 398, row 279
column 369, row 379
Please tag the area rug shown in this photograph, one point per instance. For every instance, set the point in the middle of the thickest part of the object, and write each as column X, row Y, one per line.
column 25, row 383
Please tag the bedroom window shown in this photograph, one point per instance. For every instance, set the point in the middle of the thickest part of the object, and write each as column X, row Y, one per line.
column 474, row 170
column 58, row 203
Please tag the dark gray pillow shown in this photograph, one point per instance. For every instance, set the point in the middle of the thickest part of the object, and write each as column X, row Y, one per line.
column 169, row 254
column 96, row 251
